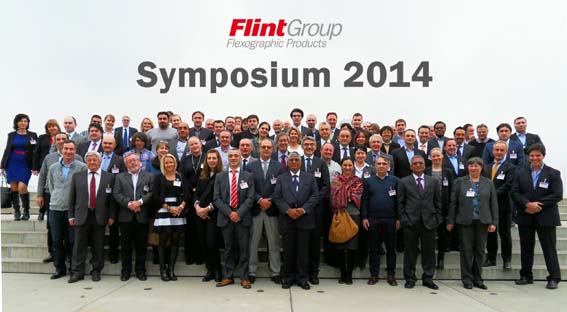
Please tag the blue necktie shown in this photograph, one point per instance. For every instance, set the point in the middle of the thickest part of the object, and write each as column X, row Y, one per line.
column 244, row 164
column 295, row 183
column 126, row 143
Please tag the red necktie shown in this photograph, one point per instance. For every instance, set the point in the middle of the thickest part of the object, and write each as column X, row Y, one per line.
column 94, row 146
column 233, row 192
column 92, row 195
column 284, row 165
column 419, row 185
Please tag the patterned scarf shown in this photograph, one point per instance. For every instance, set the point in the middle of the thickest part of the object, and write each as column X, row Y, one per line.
column 345, row 189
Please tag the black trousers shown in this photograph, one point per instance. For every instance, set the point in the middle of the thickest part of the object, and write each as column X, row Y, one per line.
column 295, row 254
column 61, row 232
column 213, row 239
column 413, row 236
column 472, row 239
column 315, row 242
column 46, row 200
column 547, row 240
column 382, row 231
column 134, row 235
column 89, row 232
column 194, row 251
column 113, row 240
column 443, row 238
column 504, row 223
column 236, row 248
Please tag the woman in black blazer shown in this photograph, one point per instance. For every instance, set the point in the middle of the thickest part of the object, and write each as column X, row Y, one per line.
column 474, row 207
column 17, row 163
column 445, row 177
column 44, row 143
column 207, row 230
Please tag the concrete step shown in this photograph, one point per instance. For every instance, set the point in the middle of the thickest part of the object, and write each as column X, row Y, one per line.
column 19, row 265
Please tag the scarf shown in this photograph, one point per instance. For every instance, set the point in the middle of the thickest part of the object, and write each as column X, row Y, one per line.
column 345, row 189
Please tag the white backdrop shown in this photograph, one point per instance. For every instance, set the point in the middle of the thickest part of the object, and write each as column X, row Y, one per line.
column 491, row 61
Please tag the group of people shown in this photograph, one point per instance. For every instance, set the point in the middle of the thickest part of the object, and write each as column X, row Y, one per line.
column 224, row 184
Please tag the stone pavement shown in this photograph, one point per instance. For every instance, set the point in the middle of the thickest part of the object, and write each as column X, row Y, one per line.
column 36, row 292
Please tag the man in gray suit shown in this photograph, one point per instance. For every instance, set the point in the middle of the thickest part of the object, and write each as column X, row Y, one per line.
column 375, row 143
column 419, row 206
column 133, row 195
column 245, row 147
column 234, row 196
column 296, row 196
column 179, row 147
column 70, row 124
column 90, row 203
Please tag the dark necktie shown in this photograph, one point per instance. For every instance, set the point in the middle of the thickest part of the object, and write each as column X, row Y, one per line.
column 92, row 195
column 94, row 147
column 244, row 162
column 125, row 136
column 295, row 183
column 345, row 153
column 284, row 165
column 459, row 150
column 309, row 166
column 373, row 158
column 233, row 192
column 420, row 185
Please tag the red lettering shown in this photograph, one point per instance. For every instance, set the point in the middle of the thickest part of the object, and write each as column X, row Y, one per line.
column 236, row 26
column 255, row 27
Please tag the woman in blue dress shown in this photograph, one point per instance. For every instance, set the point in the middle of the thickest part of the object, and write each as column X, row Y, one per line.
column 17, row 163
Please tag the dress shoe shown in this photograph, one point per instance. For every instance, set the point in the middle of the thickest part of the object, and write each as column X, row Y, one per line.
column 246, row 284
column 124, row 277
column 480, row 285
column 314, row 279
column 392, row 280
column 276, row 279
column 286, row 285
column 507, row 265
column 430, row 285
column 409, row 284
column 225, row 282
column 304, row 286
column 524, row 281
column 489, row 263
column 251, row 279
column 467, row 285
column 75, row 278
column 141, row 276
column 218, row 277
column 95, row 275
column 441, row 264
column 372, row 280
column 209, row 276
column 551, row 285
column 57, row 275
column 48, row 259
column 41, row 216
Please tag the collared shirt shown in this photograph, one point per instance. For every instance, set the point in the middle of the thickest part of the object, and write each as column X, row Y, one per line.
column 280, row 154
column 71, row 134
column 296, row 177
column 308, row 160
column 522, row 138
column 401, row 141
column 224, row 155
column 97, row 145
column 359, row 172
column 65, row 169
column 460, row 149
column 535, row 175
column 230, row 174
column 409, row 153
column 454, row 162
column 97, row 180
column 106, row 159
column 180, row 148
column 134, row 181
column 441, row 142
column 415, row 177
column 334, row 169
column 323, row 141
column 422, row 146
column 343, row 149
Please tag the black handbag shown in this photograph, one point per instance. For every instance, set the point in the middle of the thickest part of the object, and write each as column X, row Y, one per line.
column 5, row 195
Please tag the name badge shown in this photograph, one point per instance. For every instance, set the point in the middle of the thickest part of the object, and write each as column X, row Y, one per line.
column 203, row 142
column 470, row 193
column 501, row 176
column 317, row 173
column 445, row 182
column 146, row 188
column 170, row 199
column 115, row 169
column 177, row 183
column 243, row 184
column 513, row 155
column 108, row 190
column 543, row 185
column 461, row 166
column 274, row 180
column 201, row 166
column 392, row 192
column 32, row 142
column 367, row 175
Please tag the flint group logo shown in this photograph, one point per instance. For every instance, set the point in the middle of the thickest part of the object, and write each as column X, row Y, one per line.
column 253, row 33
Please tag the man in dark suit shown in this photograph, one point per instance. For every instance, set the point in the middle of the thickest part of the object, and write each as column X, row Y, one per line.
column 515, row 156
column 198, row 130
column 179, row 147
column 536, row 190
column 439, row 139
column 125, row 132
column 452, row 160
column 319, row 169
column 70, row 124
column 324, row 137
column 234, row 197
column 343, row 148
column 90, row 203
column 296, row 116
column 403, row 155
column 281, row 155
column 375, row 143
column 94, row 143
column 522, row 136
column 419, row 205
column 501, row 173
column 311, row 131
column 113, row 164
column 215, row 141
column 264, row 213
column 133, row 195
column 296, row 197
column 463, row 149
column 332, row 119
column 422, row 143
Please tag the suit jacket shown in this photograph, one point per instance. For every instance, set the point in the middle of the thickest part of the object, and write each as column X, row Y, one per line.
column 461, row 208
column 42, row 149
column 173, row 149
column 523, row 192
column 478, row 147
column 368, row 171
column 264, row 187
column 530, row 139
column 221, row 198
column 204, row 134
column 84, row 147
column 461, row 160
column 307, row 198
column 77, row 138
column 308, row 132
column 31, row 142
column 447, row 179
column 338, row 153
column 335, row 135
column 503, row 184
column 371, row 162
column 393, row 146
column 79, row 198
column 119, row 132
column 515, row 156
column 211, row 144
column 402, row 166
column 116, row 162
column 191, row 172
column 320, row 172
column 433, row 143
column 467, row 151
column 123, row 193
column 414, row 206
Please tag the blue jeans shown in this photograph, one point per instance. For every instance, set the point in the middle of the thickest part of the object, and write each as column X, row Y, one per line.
column 61, row 232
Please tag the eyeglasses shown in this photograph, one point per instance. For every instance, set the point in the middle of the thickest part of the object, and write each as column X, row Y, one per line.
column 293, row 160
column 265, row 147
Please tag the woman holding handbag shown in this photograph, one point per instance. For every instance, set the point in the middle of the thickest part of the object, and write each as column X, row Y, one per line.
column 170, row 201
column 346, row 196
